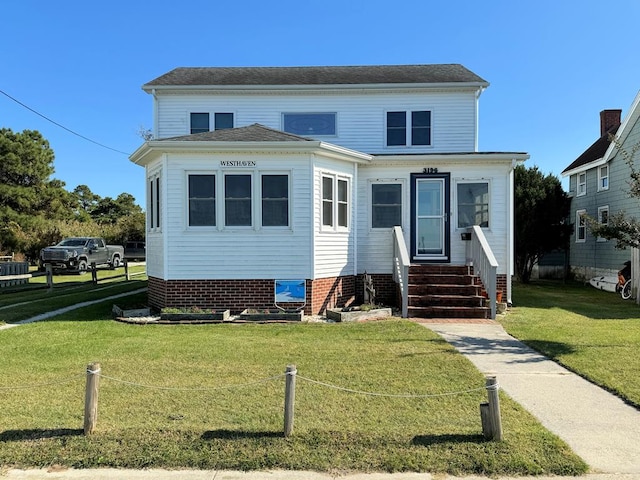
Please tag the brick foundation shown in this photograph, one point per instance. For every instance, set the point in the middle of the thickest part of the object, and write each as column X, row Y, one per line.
column 236, row 295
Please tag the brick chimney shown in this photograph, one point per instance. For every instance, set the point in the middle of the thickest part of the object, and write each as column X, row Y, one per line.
column 608, row 120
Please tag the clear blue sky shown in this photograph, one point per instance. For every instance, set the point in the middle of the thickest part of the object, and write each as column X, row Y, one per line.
column 552, row 65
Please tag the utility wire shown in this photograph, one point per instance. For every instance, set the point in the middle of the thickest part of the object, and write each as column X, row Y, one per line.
column 61, row 126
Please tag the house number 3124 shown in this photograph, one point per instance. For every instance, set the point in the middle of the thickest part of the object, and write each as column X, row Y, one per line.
column 430, row 170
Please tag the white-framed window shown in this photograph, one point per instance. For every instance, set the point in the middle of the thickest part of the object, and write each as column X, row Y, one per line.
column 274, row 190
column 386, row 204
column 581, row 226
column 312, row 124
column 238, row 197
column 202, row 200
column 199, row 122
column 581, row 187
column 153, row 212
column 335, row 202
column 473, row 203
column 603, row 178
column 603, row 219
column 408, row 128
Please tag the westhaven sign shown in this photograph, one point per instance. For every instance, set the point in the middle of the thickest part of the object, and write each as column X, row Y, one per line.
column 237, row 163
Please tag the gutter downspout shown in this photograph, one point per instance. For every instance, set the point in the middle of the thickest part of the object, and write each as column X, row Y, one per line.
column 511, row 221
column 155, row 114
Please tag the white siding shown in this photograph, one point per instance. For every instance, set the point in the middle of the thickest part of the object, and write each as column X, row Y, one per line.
column 375, row 245
column 334, row 251
column 239, row 252
column 360, row 116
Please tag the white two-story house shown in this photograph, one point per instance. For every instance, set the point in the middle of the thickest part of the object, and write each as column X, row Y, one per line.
column 322, row 174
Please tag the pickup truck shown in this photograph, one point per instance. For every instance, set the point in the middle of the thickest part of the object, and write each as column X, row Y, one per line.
column 77, row 253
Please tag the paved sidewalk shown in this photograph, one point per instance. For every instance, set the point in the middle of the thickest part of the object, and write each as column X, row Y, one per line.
column 597, row 425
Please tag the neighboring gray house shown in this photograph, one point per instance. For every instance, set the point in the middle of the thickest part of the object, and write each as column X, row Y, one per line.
column 598, row 185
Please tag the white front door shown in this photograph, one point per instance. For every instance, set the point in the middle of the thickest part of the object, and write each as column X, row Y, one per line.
column 430, row 222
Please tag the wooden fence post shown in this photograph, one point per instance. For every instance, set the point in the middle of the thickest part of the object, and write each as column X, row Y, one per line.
column 91, row 398
column 49, row 270
column 94, row 273
column 490, row 412
column 126, row 270
column 289, row 399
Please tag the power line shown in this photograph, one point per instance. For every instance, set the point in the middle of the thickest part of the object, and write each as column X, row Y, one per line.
column 61, row 126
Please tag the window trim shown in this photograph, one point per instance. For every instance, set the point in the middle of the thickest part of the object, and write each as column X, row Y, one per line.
column 601, row 187
column 259, row 199
column 216, row 183
column 409, row 127
column 154, row 198
column 393, row 181
column 581, row 224
column 581, row 191
column 335, row 202
column 330, row 135
column 462, row 181
column 211, row 120
column 604, row 208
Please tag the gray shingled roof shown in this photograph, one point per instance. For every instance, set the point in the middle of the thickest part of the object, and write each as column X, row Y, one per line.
column 251, row 133
column 350, row 75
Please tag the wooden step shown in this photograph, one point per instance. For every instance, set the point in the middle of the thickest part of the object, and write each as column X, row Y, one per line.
column 449, row 312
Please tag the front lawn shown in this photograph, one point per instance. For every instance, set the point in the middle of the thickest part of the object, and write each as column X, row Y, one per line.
column 212, row 397
column 594, row 333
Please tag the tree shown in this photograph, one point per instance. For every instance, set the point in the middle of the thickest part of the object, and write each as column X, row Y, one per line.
column 28, row 195
column 625, row 230
column 541, row 211
column 108, row 211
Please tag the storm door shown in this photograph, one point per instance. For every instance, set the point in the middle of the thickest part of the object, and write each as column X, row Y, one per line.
column 430, row 236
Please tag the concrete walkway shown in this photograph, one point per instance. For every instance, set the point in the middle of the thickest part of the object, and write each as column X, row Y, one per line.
column 597, row 425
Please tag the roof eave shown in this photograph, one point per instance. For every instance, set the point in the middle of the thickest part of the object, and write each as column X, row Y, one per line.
column 149, row 88
column 585, row 166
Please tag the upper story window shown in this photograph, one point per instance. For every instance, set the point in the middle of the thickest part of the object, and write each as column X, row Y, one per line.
column 473, row 204
column 406, row 128
column 202, row 200
column 335, row 202
column 581, row 226
column 386, row 205
column 581, row 188
column 200, row 122
column 603, row 178
column 310, row 124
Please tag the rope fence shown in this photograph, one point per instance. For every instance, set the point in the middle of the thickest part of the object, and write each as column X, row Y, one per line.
column 489, row 411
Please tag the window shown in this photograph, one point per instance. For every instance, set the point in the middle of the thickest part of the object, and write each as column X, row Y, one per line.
column 223, row 121
column 202, row 200
column 335, row 202
column 386, row 205
column 603, row 178
column 581, row 226
column 312, row 124
column 199, row 122
column 153, row 213
column 237, row 200
column 473, row 204
column 275, row 200
column 603, row 219
column 419, row 130
column 582, row 184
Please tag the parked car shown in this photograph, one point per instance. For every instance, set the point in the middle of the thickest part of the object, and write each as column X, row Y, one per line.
column 77, row 253
column 135, row 251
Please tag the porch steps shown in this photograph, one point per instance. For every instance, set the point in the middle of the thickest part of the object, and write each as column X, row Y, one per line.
column 445, row 291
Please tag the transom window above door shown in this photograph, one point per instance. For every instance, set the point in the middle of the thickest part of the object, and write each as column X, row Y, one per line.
column 310, row 124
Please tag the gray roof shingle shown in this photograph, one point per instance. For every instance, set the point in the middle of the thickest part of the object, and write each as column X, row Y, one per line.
column 347, row 75
column 251, row 133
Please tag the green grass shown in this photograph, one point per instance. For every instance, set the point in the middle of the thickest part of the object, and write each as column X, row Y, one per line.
column 21, row 303
column 593, row 333
column 212, row 414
